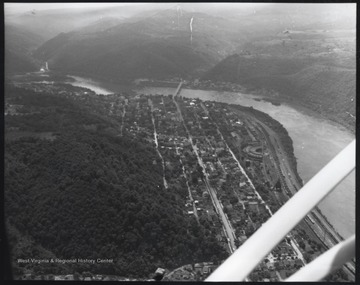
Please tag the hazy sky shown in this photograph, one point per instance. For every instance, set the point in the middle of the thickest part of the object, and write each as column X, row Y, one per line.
column 14, row 8
column 24, row 7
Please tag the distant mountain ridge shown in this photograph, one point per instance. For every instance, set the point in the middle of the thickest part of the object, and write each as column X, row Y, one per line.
column 152, row 47
column 298, row 50
column 19, row 44
column 327, row 89
column 52, row 22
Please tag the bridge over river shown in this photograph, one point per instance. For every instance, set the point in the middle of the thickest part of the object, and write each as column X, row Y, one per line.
column 178, row 89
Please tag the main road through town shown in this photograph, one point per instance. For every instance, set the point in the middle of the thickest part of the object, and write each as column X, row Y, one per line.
column 288, row 180
column 293, row 243
column 156, row 142
column 218, row 207
column 187, row 184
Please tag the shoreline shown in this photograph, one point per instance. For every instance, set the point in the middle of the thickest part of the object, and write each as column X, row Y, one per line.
column 286, row 154
column 301, row 107
column 285, row 101
column 323, row 222
column 328, row 236
column 275, row 96
column 295, row 180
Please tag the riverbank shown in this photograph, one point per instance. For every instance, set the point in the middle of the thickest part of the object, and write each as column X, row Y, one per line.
column 195, row 129
column 316, row 141
column 294, row 180
column 315, row 112
column 324, row 231
column 273, row 96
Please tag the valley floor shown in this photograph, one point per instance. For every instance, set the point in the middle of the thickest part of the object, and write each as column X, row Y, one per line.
column 234, row 163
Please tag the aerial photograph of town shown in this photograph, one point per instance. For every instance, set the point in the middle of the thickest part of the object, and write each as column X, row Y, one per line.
column 179, row 141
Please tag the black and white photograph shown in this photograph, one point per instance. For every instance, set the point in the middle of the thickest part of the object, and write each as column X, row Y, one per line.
column 179, row 141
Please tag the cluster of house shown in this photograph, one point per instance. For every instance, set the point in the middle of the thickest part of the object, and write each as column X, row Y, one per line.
column 69, row 277
column 158, row 275
column 191, row 272
column 216, row 160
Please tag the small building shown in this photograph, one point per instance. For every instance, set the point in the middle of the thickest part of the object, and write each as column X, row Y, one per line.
column 98, row 277
column 159, row 274
column 253, row 206
column 188, row 267
column 273, row 275
column 229, row 207
column 241, row 184
column 198, row 267
column 207, row 269
column 27, row 276
column 160, row 271
column 69, row 277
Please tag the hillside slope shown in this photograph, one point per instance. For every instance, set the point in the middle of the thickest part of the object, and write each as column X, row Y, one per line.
column 53, row 21
column 19, row 44
column 81, row 193
column 156, row 45
column 313, row 68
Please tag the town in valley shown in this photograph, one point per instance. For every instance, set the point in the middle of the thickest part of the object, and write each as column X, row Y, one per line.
column 235, row 163
column 159, row 141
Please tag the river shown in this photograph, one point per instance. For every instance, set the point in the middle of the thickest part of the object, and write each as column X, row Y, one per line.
column 316, row 142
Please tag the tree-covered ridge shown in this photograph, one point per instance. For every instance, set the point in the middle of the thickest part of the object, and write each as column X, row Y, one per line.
column 49, row 111
column 91, row 194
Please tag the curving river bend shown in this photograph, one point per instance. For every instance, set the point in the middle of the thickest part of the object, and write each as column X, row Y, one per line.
column 316, row 142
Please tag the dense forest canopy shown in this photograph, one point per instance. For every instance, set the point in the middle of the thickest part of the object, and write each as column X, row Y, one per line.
column 90, row 194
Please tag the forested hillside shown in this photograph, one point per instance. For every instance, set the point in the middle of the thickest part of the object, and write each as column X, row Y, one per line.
column 81, row 193
column 19, row 43
column 157, row 44
column 313, row 68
